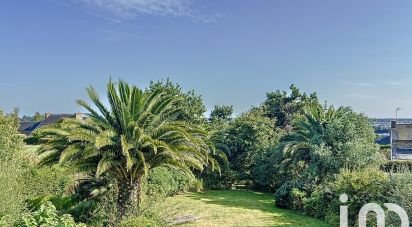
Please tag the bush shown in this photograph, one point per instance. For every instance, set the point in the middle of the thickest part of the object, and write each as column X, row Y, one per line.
column 47, row 216
column 283, row 195
column 362, row 186
column 401, row 193
column 12, row 172
column 395, row 166
column 12, row 189
column 264, row 172
column 297, row 198
column 165, row 181
column 215, row 181
column 317, row 204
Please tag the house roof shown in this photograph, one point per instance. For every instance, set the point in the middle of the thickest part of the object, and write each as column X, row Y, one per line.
column 55, row 118
column 28, row 127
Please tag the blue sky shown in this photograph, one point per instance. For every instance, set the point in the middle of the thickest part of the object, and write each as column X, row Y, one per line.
column 356, row 53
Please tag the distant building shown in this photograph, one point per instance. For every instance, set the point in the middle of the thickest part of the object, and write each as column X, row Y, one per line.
column 28, row 127
column 401, row 141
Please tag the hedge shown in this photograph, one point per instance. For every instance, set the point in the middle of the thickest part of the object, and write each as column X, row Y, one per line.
column 395, row 166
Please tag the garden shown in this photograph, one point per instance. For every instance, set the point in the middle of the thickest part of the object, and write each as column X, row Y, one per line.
column 154, row 157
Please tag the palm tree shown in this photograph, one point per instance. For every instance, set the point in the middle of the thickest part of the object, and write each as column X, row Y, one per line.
column 137, row 132
column 309, row 129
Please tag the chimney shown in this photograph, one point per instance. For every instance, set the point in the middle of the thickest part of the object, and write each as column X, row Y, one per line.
column 47, row 115
column 393, row 124
column 78, row 116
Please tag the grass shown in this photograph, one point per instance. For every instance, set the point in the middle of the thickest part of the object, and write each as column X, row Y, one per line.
column 236, row 208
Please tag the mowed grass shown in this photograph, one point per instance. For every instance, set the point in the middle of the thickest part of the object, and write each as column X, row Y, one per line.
column 236, row 208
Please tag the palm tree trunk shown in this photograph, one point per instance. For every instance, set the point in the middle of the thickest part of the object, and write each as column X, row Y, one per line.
column 129, row 196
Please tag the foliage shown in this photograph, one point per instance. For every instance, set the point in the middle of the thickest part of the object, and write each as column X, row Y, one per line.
column 149, row 144
column 165, row 181
column 284, row 108
column 395, row 166
column 20, row 177
column 215, row 181
column 190, row 104
column 219, row 122
column 139, row 131
column 369, row 185
column 323, row 142
column 247, row 137
column 47, row 216
column 401, row 192
column 12, row 189
column 10, row 141
column 12, row 172
column 47, row 180
column 221, row 113
column 264, row 172
column 363, row 186
column 36, row 117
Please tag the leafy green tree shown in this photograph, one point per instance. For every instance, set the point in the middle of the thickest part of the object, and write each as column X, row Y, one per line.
column 247, row 137
column 38, row 116
column 190, row 103
column 323, row 141
column 140, row 130
column 328, row 132
column 221, row 113
column 217, row 126
column 284, row 107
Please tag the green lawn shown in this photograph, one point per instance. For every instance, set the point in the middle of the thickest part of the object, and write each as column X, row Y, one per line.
column 236, row 208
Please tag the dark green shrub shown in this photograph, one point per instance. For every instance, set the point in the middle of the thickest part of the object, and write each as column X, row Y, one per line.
column 31, row 140
column 283, row 195
column 215, row 181
column 317, row 204
column 264, row 173
column 164, row 181
column 395, row 166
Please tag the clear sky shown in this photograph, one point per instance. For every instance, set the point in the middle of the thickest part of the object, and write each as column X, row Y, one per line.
column 352, row 52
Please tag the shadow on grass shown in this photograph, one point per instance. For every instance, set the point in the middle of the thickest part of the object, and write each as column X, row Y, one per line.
column 251, row 200
column 245, row 205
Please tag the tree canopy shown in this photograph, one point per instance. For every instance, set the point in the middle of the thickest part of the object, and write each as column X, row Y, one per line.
column 138, row 131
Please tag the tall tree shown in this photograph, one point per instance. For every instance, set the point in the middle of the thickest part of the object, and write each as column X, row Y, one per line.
column 284, row 107
column 323, row 141
column 190, row 103
column 139, row 130
column 247, row 137
column 221, row 113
